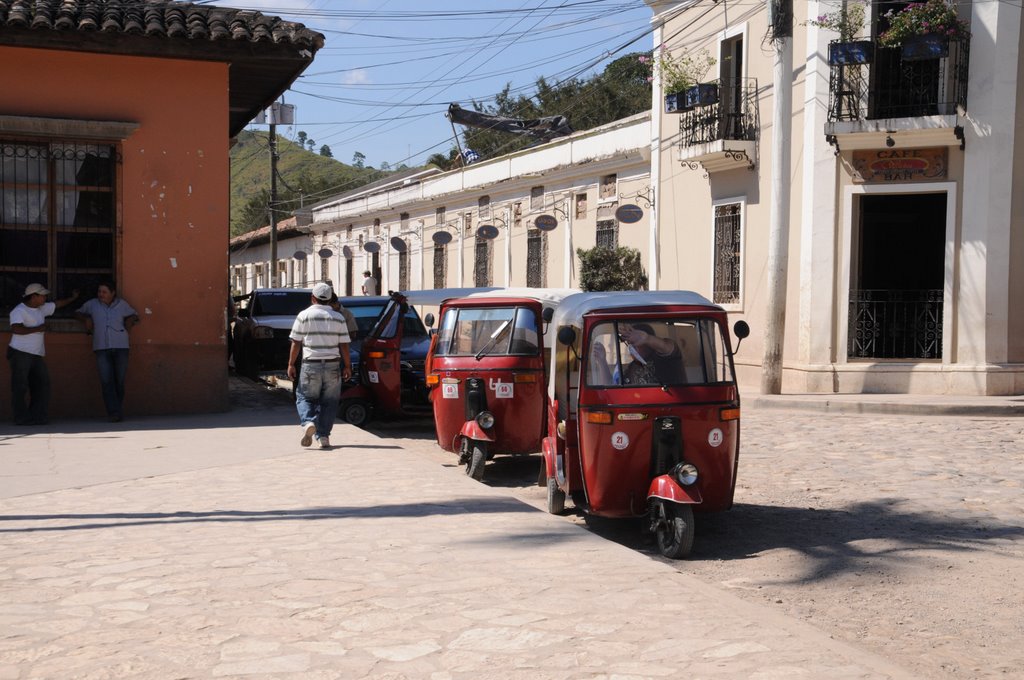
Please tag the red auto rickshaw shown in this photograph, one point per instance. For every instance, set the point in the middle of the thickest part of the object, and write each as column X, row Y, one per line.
column 487, row 370
column 643, row 410
column 388, row 380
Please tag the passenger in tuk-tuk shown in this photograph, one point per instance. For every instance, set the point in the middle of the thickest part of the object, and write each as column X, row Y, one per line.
column 656, row 360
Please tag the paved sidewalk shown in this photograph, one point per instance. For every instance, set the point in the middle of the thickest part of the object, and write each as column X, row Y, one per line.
column 215, row 546
column 892, row 404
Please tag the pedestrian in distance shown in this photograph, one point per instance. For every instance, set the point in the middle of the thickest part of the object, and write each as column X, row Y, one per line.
column 30, row 378
column 320, row 336
column 108, row 319
column 369, row 283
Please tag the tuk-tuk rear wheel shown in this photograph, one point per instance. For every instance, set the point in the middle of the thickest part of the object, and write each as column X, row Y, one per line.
column 556, row 497
column 477, row 459
column 355, row 411
column 674, row 530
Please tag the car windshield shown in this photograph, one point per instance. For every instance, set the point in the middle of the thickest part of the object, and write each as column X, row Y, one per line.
column 280, row 303
column 657, row 352
column 474, row 331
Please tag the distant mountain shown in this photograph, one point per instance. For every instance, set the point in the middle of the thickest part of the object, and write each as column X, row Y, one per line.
column 304, row 177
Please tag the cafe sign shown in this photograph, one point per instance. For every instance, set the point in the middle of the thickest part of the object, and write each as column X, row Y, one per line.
column 899, row 165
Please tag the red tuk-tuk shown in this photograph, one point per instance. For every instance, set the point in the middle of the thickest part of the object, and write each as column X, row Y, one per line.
column 388, row 380
column 644, row 412
column 487, row 373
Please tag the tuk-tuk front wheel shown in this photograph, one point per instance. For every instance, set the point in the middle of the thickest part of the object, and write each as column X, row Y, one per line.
column 355, row 411
column 475, row 462
column 673, row 527
column 556, row 497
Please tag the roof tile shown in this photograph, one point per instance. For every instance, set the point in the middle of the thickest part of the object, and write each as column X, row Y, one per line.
column 164, row 18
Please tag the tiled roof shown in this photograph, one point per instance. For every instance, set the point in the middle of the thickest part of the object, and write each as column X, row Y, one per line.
column 286, row 228
column 157, row 18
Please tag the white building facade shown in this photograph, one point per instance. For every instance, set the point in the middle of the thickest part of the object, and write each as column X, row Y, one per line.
column 902, row 239
column 478, row 225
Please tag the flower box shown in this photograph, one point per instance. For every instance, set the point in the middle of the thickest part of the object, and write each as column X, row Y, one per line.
column 924, row 47
column 850, row 53
column 703, row 94
column 675, row 102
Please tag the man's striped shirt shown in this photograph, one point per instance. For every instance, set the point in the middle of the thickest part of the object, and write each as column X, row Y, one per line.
column 320, row 329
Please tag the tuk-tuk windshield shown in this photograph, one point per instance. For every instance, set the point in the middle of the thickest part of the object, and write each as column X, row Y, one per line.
column 473, row 331
column 657, row 352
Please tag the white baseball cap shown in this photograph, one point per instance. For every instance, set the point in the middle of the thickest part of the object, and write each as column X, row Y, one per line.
column 322, row 291
column 36, row 289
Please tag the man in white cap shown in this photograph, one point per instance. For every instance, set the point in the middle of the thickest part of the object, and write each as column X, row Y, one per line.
column 321, row 334
column 30, row 379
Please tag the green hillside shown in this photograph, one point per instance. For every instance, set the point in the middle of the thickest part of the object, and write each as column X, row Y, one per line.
column 304, row 177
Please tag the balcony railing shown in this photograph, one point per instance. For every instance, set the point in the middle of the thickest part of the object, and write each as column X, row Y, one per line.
column 892, row 86
column 895, row 324
column 733, row 116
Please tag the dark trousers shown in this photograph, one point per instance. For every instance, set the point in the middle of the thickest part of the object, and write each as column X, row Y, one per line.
column 113, row 367
column 30, row 387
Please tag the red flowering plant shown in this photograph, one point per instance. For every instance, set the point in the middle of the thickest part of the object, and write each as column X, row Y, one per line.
column 934, row 17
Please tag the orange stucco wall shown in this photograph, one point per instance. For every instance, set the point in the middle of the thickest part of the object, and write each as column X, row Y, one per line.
column 174, row 201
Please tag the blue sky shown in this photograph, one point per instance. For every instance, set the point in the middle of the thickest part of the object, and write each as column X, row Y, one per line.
column 389, row 68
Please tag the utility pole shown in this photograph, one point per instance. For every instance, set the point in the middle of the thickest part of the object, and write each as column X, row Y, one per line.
column 272, row 138
column 285, row 115
column 780, row 13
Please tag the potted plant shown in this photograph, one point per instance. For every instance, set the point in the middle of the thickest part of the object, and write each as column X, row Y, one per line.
column 847, row 21
column 680, row 75
column 923, row 29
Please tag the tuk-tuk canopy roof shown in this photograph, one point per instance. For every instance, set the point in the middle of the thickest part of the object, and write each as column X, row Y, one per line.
column 575, row 306
column 548, row 297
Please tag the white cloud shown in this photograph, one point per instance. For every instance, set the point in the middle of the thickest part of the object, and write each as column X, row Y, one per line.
column 356, row 77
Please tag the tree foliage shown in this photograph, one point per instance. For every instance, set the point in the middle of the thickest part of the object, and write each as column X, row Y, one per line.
column 303, row 178
column 621, row 90
column 603, row 268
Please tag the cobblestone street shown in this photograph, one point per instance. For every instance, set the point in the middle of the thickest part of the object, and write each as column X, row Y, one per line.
column 214, row 546
column 904, row 534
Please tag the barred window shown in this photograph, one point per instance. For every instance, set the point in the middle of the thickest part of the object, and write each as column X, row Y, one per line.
column 282, row 273
column 536, row 258
column 482, row 263
column 484, row 207
column 58, row 218
column 376, row 226
column 728, row 232
column 517, row 215
column 440, row 266
column 403, row 269
column 325, row 270
column 608, row 233
column 608, row 186
column 439, row 217
column 403, row 221
column 537, row 198
column 257, row 276
column 300, row 275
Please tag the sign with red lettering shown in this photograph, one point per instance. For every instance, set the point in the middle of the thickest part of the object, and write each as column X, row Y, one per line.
column 900, row 165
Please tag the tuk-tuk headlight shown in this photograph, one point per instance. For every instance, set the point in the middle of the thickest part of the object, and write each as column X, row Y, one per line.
column 485, row 419
column 686, row 474
column 560, row 429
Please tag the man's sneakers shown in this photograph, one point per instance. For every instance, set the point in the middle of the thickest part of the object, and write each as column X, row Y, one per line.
column 325, row 443
column 308, row 430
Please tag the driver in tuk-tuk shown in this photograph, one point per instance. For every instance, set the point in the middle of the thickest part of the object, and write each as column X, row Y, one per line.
column 656, row 360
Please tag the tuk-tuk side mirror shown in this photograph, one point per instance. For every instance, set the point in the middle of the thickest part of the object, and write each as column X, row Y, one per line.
column 566, row 335
column 547, row 314
column 742, row 329
column 429, row 319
